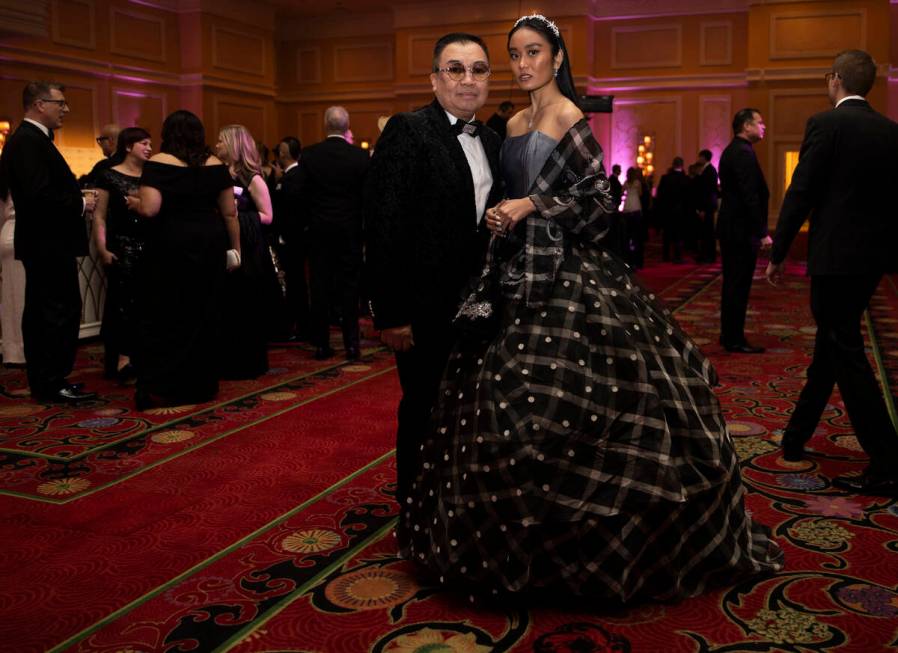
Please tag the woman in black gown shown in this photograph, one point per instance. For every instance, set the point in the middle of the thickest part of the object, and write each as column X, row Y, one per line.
column 581, row 450
column 120, row 237
column 251, row 290
column 187, row 196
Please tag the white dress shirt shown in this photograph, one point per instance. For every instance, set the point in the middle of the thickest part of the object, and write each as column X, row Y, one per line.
column 850, row 97
column 481, row 174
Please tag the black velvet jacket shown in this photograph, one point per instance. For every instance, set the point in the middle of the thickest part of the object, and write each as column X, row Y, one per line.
column 423, row 239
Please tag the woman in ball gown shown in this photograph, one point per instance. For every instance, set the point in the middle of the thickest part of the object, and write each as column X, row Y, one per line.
column 188, row 197
column 581, row 450
column 251, row 291
column 120, row 236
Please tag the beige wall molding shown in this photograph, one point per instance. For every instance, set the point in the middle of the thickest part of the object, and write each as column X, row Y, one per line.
column 626, row 9
column 73, row 23
column 846, row 28
column 672, row 82
column 724, row 58
column 29, row 18
column 127, row 38
column 663, row 42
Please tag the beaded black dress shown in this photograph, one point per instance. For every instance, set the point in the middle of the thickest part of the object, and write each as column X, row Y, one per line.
column 582, row 450
column 126, row 235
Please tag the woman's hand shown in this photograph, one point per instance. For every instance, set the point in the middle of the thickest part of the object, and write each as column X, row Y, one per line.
column 511, row 212
column 107, row 257
column 132, row 202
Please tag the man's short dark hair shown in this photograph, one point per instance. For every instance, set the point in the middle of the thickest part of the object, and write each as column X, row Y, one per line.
column 857, row 70
column 456, row 37
column 743, row 116
column 678, row 162
column 36, row 90
column 294, row 147
column 706, row 155
column 506, row 106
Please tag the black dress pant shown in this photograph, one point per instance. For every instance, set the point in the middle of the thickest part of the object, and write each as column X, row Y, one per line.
column 738, row 260
column 420, row 372
column 335, row 262
column 838, row 303
column 50, row 322
column 707, row 251
column 293, row 258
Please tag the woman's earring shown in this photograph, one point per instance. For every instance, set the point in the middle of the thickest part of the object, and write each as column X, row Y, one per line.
column 556, row 72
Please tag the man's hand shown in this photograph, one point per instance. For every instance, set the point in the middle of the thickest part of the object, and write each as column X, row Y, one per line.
column 766, row 243
column 775, row 272
column 398, row 338
column 107, row 257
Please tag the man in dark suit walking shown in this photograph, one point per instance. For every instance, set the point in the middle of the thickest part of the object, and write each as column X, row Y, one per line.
column 291, row 227
column 741, row 227
column 331, row 181
column 847, row 167
column 434, row 173
column 50, row 235
column 707, row 196
column 671, row 202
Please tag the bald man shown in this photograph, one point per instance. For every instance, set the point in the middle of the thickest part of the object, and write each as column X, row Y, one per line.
column 107, row 140
column 331, row 178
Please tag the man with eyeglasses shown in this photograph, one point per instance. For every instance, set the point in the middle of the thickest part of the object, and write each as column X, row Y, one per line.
column 107, row 140
column 844, row 181
column 50, row 235
column 434, row 173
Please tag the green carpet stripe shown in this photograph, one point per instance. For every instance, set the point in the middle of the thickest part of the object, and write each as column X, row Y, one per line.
column 87, row 632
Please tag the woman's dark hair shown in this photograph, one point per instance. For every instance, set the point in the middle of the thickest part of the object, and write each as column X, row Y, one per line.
column 547, row 29
column 294, row 147
column 126, row 138
column 184, row 137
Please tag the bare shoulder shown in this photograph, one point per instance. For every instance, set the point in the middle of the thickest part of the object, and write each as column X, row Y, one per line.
column 213, row 161
column 168, row 159
column 517, row 124
column 568, row 115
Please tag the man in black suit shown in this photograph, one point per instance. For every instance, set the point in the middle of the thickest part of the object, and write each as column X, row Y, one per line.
column 707, row 196
column 50, row 235
column 434, row 173
column 846, row 171
column 671, row 202
column 331, row 180
column 498, row 122
column 291, row 227
column 108, row 141
column 742, row 227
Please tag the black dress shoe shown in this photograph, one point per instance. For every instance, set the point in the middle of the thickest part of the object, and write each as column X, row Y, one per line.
column 67, row 395
column 77, row 387
column 879, row 486
column 126, row 374
column 793, row 450
column 323, row 353
column 744, row 349
column 353, row 354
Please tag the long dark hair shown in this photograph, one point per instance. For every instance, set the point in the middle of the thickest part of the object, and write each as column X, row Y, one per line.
column 184, row 137
column 545, row 27
column 126, row 138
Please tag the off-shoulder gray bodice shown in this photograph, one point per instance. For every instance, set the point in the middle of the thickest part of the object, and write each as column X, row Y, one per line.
column 523, row 158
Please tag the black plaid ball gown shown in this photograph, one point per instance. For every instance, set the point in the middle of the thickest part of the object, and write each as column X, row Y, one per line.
column 582, row 450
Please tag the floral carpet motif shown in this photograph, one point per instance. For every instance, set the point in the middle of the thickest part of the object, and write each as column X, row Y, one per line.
column 325, row 576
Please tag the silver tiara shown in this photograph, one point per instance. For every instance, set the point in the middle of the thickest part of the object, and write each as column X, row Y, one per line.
column 552, row 26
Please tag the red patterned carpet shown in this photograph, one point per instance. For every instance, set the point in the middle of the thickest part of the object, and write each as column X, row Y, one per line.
column 269, row 527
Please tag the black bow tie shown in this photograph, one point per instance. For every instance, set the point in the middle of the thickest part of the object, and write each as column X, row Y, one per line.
column 470, row 128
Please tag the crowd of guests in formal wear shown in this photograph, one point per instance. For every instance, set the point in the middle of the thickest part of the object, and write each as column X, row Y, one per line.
column 557, row 431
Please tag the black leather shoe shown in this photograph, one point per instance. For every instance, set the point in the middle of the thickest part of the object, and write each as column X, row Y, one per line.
column 68, row 395
column 744, row 349
column 77, row 387
column 793, row 450
column 323, row 353
column 353, row 354
column 879, row 486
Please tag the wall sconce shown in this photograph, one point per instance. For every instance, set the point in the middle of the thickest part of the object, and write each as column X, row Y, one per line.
column 4, row 132
column 365, row 144
column 645, row 156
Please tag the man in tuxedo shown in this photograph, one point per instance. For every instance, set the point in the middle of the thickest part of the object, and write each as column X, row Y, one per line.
column 741, row 228
column 434, row 173
column 331, row 181
column 846, row 170
column 290, row 227
column 707, row 196
column 107, row 140
column 671, row 202
column 498, row 122
column 50, row 235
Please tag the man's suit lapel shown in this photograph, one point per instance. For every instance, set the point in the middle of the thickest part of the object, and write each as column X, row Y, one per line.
column 441, row 125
